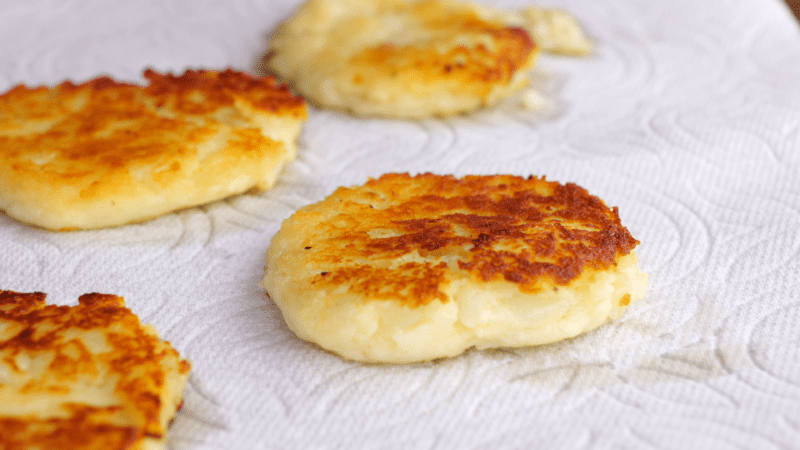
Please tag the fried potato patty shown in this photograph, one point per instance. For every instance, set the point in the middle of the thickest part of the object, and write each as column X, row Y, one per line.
column 84, row 377
column 106, row 153
column 401, row 58
column 412, row 268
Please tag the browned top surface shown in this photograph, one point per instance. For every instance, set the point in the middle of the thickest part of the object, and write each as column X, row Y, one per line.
column 220, row 89
column 217, row 89
column 96, row 135
column 83, row 430
column 452, row 44
column 135, row 355
column 522, row 230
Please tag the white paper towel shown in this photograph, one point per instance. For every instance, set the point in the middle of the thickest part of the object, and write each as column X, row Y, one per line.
column 686, row 117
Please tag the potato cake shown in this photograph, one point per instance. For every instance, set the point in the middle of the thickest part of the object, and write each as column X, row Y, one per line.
column 89, row 376
column 415, row 59
column 412, row 268
column 105, row 153
column 400, row 58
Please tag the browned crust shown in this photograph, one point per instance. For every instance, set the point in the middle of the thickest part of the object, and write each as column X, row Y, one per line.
column 527, row 231
column 79, row 431
column 221, row 88
column 416, row 283
column 75, row 137
column 135, row 357
column 477, row 69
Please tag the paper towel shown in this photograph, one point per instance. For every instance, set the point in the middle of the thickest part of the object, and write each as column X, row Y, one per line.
column 686, row 117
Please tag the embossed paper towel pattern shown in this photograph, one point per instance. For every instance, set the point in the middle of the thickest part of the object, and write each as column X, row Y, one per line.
column 687, row 118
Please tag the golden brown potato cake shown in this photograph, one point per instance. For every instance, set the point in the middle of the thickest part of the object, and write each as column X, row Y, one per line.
column 415, row 58
column 412, row 268
column 105, row 153
column 84, row 377
column 400, row 58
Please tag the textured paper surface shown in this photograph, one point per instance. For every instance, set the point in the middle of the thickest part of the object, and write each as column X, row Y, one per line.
column 687, row 118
